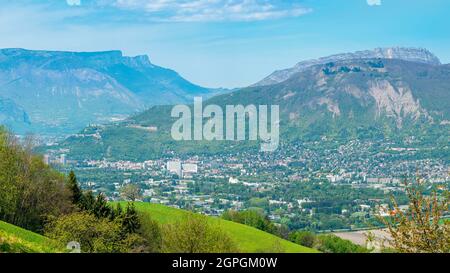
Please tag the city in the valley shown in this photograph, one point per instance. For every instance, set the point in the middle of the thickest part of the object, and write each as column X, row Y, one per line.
column 331, row 186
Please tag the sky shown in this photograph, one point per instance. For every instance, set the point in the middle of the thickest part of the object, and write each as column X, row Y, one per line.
column 226, row 43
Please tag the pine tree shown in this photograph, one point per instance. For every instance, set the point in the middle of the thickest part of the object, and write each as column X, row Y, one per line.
column 101, row 208
column 74, row 188
column 119, row 210
column 112, row 214
column 88, row 201
column 130, row 221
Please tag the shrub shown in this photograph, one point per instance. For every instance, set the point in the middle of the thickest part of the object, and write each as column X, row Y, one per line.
column 333, row 244
column 304, row 238
column 93, row 234
column 194, row 234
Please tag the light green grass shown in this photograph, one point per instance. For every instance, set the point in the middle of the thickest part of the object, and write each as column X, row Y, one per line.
column 19, row 240
column 248, row 239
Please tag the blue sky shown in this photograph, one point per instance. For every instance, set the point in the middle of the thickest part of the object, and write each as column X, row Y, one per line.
column 226, row 43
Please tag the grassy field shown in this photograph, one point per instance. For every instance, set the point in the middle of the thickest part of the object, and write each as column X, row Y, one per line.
column 248, row 239
column 17, row 240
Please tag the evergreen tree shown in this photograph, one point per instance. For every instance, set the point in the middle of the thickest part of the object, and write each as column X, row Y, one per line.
column 87, row 202
column 116, row 213
column 113, row 214
column 130, row 220
column 119, row 210
column 101, row 208
column 74, row 188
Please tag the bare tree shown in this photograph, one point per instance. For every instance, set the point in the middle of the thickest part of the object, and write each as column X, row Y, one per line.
column 422, row 227
column 130, row 192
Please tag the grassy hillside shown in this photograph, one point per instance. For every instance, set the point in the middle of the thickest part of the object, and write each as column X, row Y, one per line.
column 14, row 239
column 248, row 239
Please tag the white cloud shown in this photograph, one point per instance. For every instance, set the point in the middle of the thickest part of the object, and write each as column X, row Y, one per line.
column 374, row 2
column 73, row 2
column 213, row 10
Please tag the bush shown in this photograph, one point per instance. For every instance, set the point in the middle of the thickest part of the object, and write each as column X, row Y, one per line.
column 150, row 230
column 195, row 234
column 93, row 234
column 333, row 244
column 304, row 238
column 251, row 217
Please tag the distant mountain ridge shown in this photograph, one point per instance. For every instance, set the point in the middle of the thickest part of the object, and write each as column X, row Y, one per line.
column 69, row 60
column 418, row 55
column 65, row 91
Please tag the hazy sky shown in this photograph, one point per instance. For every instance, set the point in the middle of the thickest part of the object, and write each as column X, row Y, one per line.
column 226, row 43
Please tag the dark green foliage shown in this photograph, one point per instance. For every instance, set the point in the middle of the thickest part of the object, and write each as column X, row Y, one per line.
column 327, row 243
column 103, row 228
column 101, row 208
column 130, row 219
column 328, row 71
column 253, row 218
column 304, row 238
column 333, row 244
column 119, row 209
column 376, row 64
column 112, row 214
column 98, row 206
column 88, row 201
column 94, row 234
column 74, row 188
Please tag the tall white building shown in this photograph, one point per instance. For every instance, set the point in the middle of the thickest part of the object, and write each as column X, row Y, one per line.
column 233, row 180
column 174, row 167
column 190, row 168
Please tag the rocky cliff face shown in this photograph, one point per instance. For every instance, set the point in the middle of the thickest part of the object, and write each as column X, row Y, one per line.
column 358, row 92
column 417, row 55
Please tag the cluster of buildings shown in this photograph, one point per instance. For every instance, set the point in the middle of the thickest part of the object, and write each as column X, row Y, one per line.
column 60, row 159
column 214, row 183
column 185, row 170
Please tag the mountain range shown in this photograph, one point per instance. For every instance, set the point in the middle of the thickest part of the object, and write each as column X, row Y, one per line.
column 403, row 93
column 417, row 55
column 62, row 92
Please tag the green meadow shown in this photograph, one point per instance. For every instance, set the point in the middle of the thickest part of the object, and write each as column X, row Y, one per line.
column 248, row 239
column 14, row 239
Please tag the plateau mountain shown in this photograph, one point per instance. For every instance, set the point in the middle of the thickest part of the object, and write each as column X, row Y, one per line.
column 65, row 91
